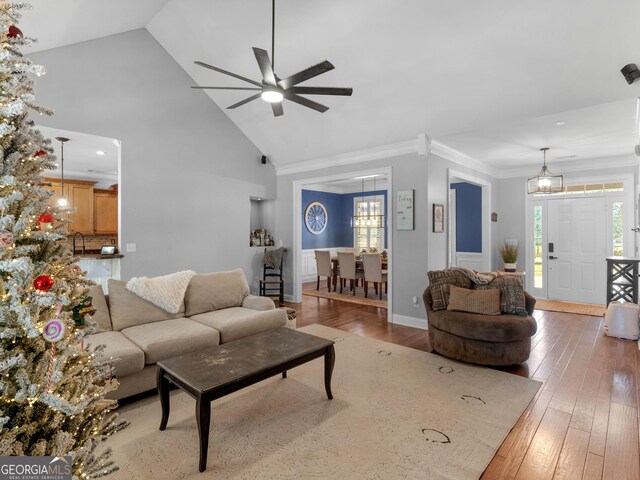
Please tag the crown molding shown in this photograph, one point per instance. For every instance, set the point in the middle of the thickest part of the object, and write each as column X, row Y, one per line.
column 422, row 145
column 456, row 156
column 573, row 166
column 375, row 153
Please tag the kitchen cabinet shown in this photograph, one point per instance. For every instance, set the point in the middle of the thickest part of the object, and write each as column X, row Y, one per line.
column 79, row 194
column 105, row 211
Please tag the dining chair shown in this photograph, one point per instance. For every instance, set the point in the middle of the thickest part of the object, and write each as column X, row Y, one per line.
column 372, row 263
column 348, row 271
column 323, row 268
column 272, row 282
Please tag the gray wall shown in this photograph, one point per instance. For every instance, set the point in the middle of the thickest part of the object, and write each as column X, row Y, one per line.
column 187, row 170
column 413, row 252
column 510, row 201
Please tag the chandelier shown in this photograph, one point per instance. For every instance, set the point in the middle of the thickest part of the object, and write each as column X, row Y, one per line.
column 368, row 214
column 545, row 182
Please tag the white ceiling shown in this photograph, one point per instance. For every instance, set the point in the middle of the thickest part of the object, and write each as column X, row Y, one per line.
column 81, row 162
column 489, row 79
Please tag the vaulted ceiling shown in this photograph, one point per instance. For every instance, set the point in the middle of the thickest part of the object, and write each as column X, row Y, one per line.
column 491, row 79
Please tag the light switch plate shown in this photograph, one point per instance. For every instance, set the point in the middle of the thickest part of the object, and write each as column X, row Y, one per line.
column 131, row 247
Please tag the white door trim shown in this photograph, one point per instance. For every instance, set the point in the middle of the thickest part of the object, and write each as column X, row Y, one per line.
column 297, row 226
column 630, row 240
column 486, row 212
column 453, row 247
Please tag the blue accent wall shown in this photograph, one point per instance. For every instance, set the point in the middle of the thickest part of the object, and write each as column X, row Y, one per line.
column 468, row 217
column 339, row 232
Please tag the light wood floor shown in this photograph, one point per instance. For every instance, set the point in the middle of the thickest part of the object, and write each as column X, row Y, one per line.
column 582, row 424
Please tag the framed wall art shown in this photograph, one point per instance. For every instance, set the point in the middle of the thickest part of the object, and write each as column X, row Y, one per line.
column 438, row 218
column 404, row 210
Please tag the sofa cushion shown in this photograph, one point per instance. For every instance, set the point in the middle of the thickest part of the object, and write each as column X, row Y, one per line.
column 128, row 357
column 214, row 291
column 488, row 328
column 127, row 309
column 238, row 322
column 99, row 302
column 483, row 302
column 440, row 280
column 170, row 338
column 512, row 299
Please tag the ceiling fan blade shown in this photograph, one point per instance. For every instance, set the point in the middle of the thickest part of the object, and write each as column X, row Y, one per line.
column 305, row 102
column 277, row 109
column 239, row 77
column 246, row 100
column 227, row 88
column 306, row 74
column 265, row 66
column 322, row 90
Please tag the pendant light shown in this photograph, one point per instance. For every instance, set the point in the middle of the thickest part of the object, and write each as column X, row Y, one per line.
column 368, row 219
column 62, row 201
column 357, row 220
column 545, row 182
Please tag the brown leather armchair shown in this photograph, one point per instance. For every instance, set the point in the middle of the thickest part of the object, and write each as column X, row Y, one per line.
column 482, row 339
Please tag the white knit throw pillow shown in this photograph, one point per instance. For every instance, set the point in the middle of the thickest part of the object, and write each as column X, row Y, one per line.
column 167, row 291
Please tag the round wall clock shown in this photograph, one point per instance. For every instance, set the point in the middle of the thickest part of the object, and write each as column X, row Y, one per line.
column 315, row 217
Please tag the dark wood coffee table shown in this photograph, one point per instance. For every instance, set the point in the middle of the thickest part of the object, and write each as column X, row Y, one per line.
column 218, row 371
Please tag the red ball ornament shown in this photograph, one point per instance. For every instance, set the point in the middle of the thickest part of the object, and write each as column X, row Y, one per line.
column 77, row 268
column 43, row 283
column 39, row 153
column 14, row 32
column 45, row 222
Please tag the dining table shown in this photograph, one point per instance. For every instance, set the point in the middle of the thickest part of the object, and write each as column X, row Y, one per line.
column 335, row 264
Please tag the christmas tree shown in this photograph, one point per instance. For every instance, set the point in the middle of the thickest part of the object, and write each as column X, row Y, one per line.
column 51, row 388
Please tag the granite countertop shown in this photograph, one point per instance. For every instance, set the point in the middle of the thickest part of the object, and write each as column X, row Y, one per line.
column 97, row 256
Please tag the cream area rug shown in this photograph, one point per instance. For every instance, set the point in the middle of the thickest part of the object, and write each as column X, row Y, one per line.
column 397, row 413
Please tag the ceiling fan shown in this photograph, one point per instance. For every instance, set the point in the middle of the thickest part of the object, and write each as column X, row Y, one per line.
column 273, row 89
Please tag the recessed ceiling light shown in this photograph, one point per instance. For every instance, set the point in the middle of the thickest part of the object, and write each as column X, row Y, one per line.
column 100, row 152
column 560, row 122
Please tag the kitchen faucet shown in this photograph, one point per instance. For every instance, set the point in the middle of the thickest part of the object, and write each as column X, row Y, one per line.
column 73, row 242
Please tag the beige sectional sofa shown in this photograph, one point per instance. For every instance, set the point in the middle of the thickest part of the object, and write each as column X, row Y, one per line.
column 217, row 308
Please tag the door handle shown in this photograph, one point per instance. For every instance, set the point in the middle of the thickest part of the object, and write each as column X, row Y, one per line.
column 551, row 257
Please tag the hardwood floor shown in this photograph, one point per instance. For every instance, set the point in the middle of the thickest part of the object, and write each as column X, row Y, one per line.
column 582, row 424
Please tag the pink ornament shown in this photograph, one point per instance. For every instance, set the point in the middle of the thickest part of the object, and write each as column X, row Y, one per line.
column 53, row 331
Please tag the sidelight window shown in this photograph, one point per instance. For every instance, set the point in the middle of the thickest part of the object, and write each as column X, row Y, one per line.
column 537, row 245
column 618, row 228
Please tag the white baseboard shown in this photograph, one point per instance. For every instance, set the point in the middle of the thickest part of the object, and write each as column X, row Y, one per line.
column 289, row 298
column 420, row 323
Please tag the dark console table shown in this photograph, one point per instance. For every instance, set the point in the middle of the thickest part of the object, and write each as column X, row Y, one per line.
column 622, row 279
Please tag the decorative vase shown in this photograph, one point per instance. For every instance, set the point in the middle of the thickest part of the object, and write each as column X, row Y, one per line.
column 510, row 267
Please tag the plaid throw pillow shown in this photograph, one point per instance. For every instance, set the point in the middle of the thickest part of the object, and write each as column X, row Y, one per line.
column 440, row 281
column 512, row 299
column 484, row 302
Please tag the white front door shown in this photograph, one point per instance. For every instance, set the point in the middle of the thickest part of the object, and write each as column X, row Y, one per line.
column 576, row 266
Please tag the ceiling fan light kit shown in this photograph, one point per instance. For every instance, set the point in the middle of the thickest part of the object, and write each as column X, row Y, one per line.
column 272, row 95
column 274, row 90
